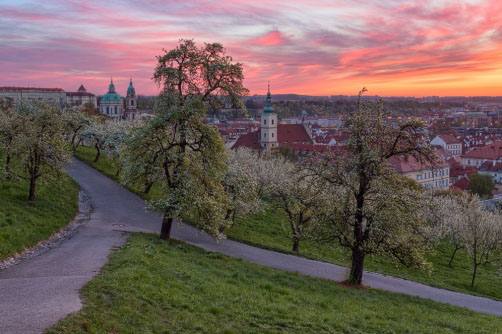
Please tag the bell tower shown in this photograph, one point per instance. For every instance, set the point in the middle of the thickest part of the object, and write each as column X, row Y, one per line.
column 268, row 125
column 131, row 109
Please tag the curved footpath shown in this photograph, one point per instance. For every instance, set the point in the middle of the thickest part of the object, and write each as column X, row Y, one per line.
column 40, row 291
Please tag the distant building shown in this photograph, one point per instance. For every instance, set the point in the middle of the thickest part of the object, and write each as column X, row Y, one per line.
column 111, row 103
column 449, row 143
column 480, row 155
column 429, row 176
column 493, row 168
column 48, row 95
column 131, row 103
column 81, row 97
column 271, row 135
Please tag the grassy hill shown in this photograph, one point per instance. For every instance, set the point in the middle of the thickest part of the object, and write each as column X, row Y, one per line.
column 152, row 286
column 268, row 230
column 24, row 223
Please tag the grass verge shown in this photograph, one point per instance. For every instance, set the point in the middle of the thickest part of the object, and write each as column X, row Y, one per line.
column 24, row 223
column 152, row 286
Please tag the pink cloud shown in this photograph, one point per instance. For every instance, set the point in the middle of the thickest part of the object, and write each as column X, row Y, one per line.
column 273, row 38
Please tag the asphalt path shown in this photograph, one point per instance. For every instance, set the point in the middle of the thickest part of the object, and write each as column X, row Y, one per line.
column 38, row 292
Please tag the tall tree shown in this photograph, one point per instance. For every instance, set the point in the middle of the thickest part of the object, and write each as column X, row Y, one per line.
column 41, row 146
column 10, row 127
column 374, row 210
column 191, row 154
column 302, row 196
column 479, row 230
column 481, row 185
column 76, row 121
column 241, row 183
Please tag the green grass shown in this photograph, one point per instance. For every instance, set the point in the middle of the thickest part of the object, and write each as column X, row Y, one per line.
column 266, row 230
column 152, row 286
column 24, row 223
column 109, row 168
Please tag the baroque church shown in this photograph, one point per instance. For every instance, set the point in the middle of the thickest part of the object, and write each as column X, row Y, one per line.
column 112, row 104
column 272, row 134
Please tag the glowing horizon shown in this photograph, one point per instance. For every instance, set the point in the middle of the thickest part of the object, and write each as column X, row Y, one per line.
column 317, row 47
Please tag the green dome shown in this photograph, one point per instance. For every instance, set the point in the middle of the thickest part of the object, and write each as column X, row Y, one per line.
column 111, row 95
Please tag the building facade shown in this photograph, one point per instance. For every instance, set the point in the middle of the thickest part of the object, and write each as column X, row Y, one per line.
column 449, row 143
column 111, row 103
column 480, row 155
column 429, row 176
column 55, row 96
column 81, row 97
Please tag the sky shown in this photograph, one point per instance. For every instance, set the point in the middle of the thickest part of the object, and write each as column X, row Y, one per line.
column 314, row 47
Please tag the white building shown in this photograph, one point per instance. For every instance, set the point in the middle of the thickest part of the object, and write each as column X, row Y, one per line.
column 81, row 97
column 48, row 95
column 449, row 143
column 111, row 103
column 480, row 155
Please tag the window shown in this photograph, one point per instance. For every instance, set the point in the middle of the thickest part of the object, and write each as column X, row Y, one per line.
column 264, row 122
column 272, row 135
column 272, row 123
column 264, row 135
column 107, row 110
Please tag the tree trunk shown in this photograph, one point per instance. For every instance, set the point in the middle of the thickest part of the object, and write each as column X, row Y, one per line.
column 97, row 154
column 33, row 185
column 453, row 255
column 148, row 186
column 296, row 244
column 356, row 269
column 474, row 274
column 7, row 166
column 167, row 223
column 73, row 147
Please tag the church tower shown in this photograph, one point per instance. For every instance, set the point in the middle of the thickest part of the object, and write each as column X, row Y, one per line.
column 131, row 109
column 268, row 125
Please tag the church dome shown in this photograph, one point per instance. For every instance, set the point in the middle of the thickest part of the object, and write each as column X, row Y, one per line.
column 111, row 95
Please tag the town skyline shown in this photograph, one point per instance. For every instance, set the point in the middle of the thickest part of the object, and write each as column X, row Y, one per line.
column 394, row 48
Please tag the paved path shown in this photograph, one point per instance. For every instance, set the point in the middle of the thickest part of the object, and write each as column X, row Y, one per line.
column 38, row 292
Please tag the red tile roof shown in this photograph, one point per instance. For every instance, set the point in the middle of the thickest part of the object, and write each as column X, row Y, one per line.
column 449, row 139
column 79, row 94
column 292, row 133
column 287, row 134
column 249, row 140
column 489, row 152
column 490, row 167
column 457, row 170
column 410, row 164
column 31, row 88
column 462, row 184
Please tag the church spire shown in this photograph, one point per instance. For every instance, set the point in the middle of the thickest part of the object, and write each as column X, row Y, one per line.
column 268, row 107
column 111, row 88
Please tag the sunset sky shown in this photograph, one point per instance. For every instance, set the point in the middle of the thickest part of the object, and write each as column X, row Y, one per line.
column 393, row 47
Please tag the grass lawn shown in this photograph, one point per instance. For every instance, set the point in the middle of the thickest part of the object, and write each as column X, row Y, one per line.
column 152, row 286
column 24, row 223
column 266, row 230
